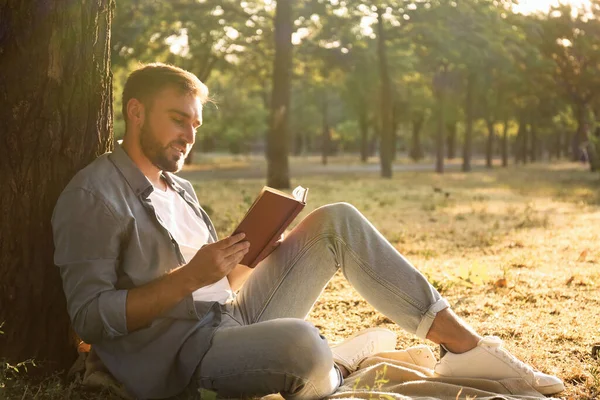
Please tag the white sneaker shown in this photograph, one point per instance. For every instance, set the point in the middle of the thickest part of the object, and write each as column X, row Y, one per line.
column 490, row 361
column 352, row 351
column 422, row 356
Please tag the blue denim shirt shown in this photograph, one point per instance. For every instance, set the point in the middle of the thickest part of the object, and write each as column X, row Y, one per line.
column 108, row 239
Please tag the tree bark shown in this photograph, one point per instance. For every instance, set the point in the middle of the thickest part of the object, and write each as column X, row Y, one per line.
column 468, row 144
column 277, row 138
column 451, row 140
column 505, row 144
column 56, row 92
column 489, row 147
column 386, row 146
column 416, row 150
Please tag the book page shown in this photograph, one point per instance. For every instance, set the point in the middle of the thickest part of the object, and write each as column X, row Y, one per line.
column 300, row 194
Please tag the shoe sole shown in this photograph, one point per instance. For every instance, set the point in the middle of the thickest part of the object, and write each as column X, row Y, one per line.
column 550, row 390
column 546, row 390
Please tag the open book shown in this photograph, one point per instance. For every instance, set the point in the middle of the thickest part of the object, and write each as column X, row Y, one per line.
column 268, row 217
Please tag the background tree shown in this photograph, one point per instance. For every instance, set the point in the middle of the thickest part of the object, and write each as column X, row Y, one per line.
column 277, row 140
column 569, row 37
column 57, row 117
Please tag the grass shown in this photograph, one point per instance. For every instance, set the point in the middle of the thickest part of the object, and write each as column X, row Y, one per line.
column 515, row 251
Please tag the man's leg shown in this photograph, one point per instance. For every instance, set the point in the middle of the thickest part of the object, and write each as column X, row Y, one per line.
column 338, row 235
column 289, row 281
column 287, row 284
column 286, row 356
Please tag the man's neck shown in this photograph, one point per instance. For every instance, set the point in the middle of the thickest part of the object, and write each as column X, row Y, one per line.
column 148, row 169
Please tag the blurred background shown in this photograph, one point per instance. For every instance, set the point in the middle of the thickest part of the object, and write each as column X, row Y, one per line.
column 476, row 81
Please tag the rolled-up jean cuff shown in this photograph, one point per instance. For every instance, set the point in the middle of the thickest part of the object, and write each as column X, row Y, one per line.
column 429, row 316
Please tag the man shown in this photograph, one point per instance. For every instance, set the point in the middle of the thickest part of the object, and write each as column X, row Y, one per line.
column 165, row 304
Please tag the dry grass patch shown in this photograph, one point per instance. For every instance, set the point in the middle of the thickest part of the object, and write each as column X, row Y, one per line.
column 515, row 251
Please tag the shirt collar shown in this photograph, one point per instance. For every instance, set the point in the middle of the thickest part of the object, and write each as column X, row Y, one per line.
column 136, row 179
column 171, row 182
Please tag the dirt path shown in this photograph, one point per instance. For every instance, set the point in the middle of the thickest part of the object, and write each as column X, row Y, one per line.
column 258, row 170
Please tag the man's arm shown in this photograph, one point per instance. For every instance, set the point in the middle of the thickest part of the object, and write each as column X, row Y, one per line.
column 87, row 238
column 210, row 264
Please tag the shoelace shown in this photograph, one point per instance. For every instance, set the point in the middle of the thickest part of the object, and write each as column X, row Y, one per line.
column 363, row 354
column 513, row 360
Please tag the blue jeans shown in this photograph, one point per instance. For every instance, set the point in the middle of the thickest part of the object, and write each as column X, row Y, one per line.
column 264, row 345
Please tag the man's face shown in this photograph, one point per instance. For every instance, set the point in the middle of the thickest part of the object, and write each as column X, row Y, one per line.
column 169, row 128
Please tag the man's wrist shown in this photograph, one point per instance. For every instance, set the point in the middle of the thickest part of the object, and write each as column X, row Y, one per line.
column 187, row 280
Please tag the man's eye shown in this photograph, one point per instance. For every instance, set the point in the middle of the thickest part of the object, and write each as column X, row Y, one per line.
column 178, row 121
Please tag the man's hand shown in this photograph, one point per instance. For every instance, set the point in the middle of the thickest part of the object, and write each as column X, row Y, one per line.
column 273, row 247
column 211, row 263
column 238, row 276
column 216, row 260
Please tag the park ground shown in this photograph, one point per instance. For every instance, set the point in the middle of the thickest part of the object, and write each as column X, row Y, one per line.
column 516, row 252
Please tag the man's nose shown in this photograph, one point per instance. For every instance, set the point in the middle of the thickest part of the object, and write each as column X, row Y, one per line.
column 189, row 135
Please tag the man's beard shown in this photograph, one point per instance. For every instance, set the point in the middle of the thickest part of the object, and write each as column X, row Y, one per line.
column 161, row 157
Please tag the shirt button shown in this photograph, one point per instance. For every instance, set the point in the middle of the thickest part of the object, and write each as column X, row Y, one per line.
column 191, row 312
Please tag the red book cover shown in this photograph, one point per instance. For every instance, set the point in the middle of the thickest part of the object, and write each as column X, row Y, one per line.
column 268, row 217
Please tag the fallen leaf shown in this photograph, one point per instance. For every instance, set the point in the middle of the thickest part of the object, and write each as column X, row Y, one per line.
column 583, row 256
column 501, row 283
column 570, row 280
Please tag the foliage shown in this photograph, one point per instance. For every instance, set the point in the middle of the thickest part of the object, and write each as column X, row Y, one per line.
column 533, row 68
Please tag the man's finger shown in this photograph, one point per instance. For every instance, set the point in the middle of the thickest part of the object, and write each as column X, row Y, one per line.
column 240, row 246
column 231, row 240
column 236, row 257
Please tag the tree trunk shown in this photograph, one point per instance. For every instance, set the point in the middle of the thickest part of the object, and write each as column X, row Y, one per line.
column 440, row 90
column 533, row 149
column 525, row 143
column 505, row 144
column 386, row 146
column 395, row 124
column 593, row 156
column 521, row 143
column 416, row 150
column 558, row 144
column 363, row 124
column 326, row 132
column 56, row 117
column 277, row 140
column 489, row 146
column 468, row 145
column 580, row 133
column 451, row 140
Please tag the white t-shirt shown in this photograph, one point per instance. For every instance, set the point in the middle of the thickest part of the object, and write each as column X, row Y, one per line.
column 191, row 233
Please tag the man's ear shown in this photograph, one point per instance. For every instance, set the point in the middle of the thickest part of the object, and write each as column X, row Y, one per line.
column 135, row 112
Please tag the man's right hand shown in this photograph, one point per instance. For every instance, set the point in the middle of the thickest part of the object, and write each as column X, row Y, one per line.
column 214, row 261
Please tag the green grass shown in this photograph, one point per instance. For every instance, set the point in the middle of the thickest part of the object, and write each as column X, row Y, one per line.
column 515, row 251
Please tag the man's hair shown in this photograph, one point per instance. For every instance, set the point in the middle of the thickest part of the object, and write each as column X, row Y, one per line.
column 144, row 83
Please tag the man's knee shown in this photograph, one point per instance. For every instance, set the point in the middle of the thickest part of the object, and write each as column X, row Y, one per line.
column 306, row 352
column 337, row 211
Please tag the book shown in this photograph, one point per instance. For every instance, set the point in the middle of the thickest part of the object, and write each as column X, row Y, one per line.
column 267, row 218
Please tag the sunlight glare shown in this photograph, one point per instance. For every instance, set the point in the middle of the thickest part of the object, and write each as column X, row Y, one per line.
column 543, row 6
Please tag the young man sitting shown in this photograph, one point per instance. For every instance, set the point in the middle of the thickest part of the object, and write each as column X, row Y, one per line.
column 165, row 303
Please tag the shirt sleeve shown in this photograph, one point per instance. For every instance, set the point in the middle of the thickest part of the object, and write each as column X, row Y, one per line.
column 87, row 237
